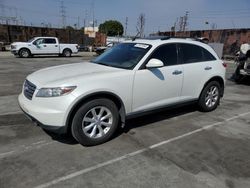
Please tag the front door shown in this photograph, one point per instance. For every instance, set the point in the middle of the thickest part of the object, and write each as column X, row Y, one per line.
column 157, row 87
column 45, row 46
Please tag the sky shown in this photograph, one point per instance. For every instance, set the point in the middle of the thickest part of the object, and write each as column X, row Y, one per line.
column 160, row 15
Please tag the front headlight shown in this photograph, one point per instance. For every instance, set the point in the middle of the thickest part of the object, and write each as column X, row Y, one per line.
column 55, row 92
column 13, row 47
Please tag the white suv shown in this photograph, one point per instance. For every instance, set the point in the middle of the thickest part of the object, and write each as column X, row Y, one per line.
column 91, row 99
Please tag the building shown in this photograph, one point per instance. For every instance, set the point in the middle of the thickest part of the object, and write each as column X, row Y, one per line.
column 91, row 31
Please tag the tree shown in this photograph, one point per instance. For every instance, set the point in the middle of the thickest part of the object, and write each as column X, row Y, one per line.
column 69, row 28
column 141, row 25
column 111, row 28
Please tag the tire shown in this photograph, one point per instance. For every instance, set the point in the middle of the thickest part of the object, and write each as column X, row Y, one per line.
column 88, row 128
column 67, row 53
column 24, row 53
column 237, row 76
column 210, row 97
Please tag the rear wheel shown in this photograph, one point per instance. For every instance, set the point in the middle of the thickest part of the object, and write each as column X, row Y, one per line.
column 24, row 53
column 95, row 122
column 67, row 53
column 237, row 76
column 210, row 97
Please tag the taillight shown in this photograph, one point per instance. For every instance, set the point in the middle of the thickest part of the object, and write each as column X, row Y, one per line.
column 224, row 64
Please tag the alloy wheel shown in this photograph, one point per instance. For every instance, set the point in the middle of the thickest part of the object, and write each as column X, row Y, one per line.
column 212, row 96
column 97, row 122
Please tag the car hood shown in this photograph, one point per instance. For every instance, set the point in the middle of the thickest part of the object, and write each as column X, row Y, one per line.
column 68, row 73
column 19, row 43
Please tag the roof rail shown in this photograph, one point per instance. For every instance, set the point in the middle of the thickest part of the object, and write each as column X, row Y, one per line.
column 202, row 39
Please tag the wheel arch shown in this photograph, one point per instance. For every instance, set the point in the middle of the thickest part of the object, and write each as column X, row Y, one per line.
column 67, row 49
column 107, row 95
column 220, row 80
column 24, row 48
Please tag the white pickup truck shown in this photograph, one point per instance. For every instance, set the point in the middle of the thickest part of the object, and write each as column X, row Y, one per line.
column 43, row 46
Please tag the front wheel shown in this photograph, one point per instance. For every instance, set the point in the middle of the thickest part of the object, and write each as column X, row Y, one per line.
column 95, row 122
column 24, row 53
column 210, row 97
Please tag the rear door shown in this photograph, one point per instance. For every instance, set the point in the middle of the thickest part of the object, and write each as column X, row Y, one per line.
column 50, row 46
column 198, row 65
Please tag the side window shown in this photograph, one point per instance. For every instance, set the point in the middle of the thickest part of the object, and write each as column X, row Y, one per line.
column 207, row 56
column 50, row 41
column 191, row 53
column 167, row 54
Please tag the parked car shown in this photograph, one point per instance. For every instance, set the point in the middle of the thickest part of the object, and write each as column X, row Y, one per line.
column 243, row 63
column 101, row 49
column 83, row 48
column 43, row 46
column 92, row 99
column 4, row 46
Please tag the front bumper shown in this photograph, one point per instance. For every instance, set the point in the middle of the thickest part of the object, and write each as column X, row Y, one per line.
column 15, row 52
column 55, row 129
column 48, row 113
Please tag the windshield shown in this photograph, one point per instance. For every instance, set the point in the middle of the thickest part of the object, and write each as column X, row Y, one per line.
column 124, row 55
column 29, row 41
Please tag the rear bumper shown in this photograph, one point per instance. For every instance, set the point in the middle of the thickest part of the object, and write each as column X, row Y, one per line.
column 245, row 72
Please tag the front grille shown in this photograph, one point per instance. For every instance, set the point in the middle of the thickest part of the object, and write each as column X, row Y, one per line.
column 28, row 89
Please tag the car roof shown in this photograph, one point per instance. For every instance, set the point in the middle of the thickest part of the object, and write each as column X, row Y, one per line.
column 157, row 42
column 167, row 40
column 45, row 37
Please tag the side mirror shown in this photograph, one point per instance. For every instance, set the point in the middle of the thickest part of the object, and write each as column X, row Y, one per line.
column 154, row 63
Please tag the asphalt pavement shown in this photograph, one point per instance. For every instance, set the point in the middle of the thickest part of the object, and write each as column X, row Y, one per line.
column 174, row 148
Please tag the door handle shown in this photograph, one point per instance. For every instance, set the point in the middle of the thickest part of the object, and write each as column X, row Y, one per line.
column 56, row 45
column 208, row 68
column 177, row 72
column 44, row 45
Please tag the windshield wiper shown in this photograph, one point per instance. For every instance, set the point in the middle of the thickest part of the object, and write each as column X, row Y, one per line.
column 99, row 63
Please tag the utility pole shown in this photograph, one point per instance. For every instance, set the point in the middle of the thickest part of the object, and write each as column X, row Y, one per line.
column 175, row 26
column 126, row 26
column 141, row 25
column 185, row 21
column 78, row 22
column 63, row 14
column 93, row 12
column 181, row 23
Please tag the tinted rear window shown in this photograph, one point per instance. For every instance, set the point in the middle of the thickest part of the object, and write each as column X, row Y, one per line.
column 167, row 54
column 50, row 41
column 191, row 53
column 207, row 56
